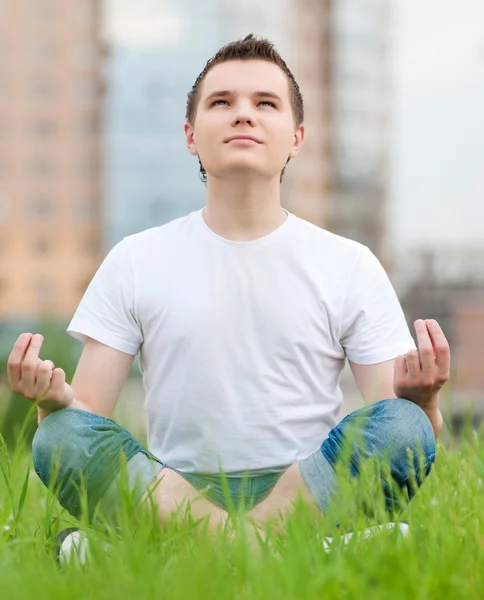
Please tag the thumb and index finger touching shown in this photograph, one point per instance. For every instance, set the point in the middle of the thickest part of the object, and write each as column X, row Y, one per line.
column 439, row 344
column 26, row 348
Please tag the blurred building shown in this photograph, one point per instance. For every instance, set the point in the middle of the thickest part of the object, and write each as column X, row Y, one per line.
column 360, row 35
column 309, row 185
column 67, row 196
column 50, row 154
column 448, row 285
column 339, row 52
column 157, row 51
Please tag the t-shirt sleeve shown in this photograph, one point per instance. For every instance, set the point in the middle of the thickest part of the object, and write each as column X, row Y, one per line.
column 373, row 328
column 106, row 311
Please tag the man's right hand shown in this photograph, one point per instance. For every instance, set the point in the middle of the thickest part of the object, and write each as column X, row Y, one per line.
column 36, row 379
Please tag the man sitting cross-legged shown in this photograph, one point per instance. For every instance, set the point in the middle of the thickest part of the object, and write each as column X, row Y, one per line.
column 243, row 315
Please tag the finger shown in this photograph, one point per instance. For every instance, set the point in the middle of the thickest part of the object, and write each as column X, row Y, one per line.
column 413, row 363
column 400, row 369
column 29, row 364
column 43, row 378
column 399, row 373
column 425, row 347
column 57, row 384
column 15, row 359
column 441, row 347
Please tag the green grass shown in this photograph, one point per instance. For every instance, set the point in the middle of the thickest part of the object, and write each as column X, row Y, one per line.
column 443, row 557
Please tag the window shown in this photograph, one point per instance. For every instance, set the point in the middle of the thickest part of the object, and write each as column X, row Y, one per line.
column 86, row 55
column 41, row 10
column 91, row 246
column 88, row 126
column 87, row 93
column 43, row 128
column 41, row 51
column 41, row 168
column 5, row 206
column 43, row 290
column 87, row 210
column 88, row 170
column 41, row 246
column 41, row 208
column 42, row 90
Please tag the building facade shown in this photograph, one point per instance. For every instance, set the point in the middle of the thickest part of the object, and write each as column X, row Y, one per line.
column 360, row 66
column 68, row 193
column 150, row 176
column 50, row 154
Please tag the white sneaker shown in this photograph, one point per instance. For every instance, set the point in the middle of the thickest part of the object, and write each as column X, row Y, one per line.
column 403, row 529
column 72, row 545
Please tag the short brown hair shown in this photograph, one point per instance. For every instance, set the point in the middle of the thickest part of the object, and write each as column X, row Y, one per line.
column 250, row 48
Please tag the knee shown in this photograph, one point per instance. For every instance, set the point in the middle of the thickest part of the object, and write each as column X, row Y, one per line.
column 407, row 433
column 56, row 439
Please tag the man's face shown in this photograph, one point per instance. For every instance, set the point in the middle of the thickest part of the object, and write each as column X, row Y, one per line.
column 244, row 98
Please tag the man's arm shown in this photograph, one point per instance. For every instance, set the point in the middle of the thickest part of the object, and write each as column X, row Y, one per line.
column 417, row 376
column 375, row 383
column 99, row 379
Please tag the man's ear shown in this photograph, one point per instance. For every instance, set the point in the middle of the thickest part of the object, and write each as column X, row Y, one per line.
column 298, row 141
column 190, row 139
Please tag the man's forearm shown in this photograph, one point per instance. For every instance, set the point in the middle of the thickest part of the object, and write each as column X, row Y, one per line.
column 43, row 413
column 436, row 420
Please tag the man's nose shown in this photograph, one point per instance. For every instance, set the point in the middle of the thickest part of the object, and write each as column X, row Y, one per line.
column 241, row 120
column 243, row 115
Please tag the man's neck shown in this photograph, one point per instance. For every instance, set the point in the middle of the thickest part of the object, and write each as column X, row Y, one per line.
column 243, row 211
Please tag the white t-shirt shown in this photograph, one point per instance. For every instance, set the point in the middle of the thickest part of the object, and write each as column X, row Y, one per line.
column 241, row 343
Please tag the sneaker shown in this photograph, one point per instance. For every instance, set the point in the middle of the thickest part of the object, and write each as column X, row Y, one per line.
column 71, row 545
column 402, row 528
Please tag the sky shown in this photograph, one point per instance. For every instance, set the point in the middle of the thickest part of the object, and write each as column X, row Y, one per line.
column 437, row 145
column 437, row 191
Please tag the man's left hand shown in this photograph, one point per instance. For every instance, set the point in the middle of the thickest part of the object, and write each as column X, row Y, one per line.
column 419, row 375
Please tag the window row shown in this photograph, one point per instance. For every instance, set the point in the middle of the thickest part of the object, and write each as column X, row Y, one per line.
column 45, row 208
column 42, row 51
column 85, row 93
column 45, row 11
column 44, row 246
column 43, row 168
column 44, row 289
column 49, row 128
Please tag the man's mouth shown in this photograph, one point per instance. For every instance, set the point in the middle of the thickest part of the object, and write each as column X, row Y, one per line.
column 243, row 137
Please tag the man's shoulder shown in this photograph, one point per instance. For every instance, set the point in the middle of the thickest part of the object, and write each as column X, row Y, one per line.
column 329, row 241
column 168, row 231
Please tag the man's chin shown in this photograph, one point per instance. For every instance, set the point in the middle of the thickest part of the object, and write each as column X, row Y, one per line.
column 240, row 170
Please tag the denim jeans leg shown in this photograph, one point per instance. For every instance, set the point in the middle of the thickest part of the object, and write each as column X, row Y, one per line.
column 73, row 449
column 387, row 430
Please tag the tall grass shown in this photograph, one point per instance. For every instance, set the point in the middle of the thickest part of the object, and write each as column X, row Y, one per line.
column 442, row 558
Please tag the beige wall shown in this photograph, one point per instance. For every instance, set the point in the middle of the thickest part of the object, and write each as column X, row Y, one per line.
column 468, row 325
column 50, row 154
column 306, row 192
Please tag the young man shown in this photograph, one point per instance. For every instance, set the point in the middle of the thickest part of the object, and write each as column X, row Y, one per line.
column 244, row 315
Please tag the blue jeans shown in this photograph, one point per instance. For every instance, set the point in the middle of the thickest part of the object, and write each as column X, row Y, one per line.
column 75, row 450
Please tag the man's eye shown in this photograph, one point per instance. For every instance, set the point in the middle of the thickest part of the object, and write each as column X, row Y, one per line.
column 268, row 102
